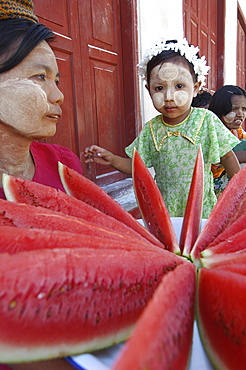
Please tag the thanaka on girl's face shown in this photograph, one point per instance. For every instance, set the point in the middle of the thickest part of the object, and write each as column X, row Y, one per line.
column 30, row 99
column 235, row 118
column 172, row 89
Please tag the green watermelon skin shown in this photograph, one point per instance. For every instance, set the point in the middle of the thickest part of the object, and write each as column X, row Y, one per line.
column 229, row 207
column 221, row 302
column 86, row 190
column 22, row 239
column 24, row 215
column 38, row 195
column 152, row 206
column 62, row 301
column 162, row 338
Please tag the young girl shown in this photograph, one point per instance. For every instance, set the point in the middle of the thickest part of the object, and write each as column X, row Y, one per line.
column 170, row 141
column 229, row 104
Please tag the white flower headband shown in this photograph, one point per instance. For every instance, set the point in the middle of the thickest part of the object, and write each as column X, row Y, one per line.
column 181, row 46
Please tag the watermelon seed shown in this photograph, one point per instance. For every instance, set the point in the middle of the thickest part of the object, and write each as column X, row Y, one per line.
column 12, row 304
column 97, row 318
column 49, row 313
column 41, row 295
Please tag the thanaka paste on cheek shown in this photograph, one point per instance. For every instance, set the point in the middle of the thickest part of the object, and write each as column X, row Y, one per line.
column 158, row 100
column 23, row 104
column 180, row 98
column 230, row 117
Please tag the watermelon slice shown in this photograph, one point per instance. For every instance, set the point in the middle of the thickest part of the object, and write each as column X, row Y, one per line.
column 224, row 259
column 24, row 215
column 221, row 302
column 193, row 211
column 29, row 192
column 151, row 204
column 236, row 227
column 20, row 239
column 235, row 243
column 86, row 190
column 162, row 338
column 229, row 207
column 56, row 302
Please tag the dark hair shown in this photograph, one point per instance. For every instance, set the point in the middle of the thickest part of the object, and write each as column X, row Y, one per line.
column 220, row 102
column 168, row 54
column 202, row 99
column 18, row 37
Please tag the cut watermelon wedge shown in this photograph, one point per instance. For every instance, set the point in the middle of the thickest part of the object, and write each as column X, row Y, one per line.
column 151, row 204
column 224, row 259
column 162, row 338
column 86, row 190
column 193, row 211
column 20, row 239
column 24, row 215
column 229, row 207
column 32, row 193
column 234, row 243
column 221, row 302
column 237, row 226
column 63, row 301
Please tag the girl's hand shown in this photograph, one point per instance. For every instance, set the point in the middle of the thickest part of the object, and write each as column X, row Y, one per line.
column 98, row 155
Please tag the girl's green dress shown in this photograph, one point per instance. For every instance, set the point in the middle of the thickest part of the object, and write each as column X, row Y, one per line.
column 172, row 151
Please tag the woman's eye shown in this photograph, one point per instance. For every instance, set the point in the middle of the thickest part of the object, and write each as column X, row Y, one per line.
column 41, row 77
column 244, row 109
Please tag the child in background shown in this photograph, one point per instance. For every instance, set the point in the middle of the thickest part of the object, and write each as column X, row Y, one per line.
column 169, row 142
column 229, row 104
column 202, row 99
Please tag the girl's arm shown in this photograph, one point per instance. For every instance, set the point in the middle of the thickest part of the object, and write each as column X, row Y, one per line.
column 102, row 156
column 230, row 162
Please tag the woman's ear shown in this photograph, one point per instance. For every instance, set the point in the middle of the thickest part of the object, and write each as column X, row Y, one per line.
column 147, row 87
column 196, row 88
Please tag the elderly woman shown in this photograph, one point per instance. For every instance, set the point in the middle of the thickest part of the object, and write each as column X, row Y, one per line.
column 30, row 107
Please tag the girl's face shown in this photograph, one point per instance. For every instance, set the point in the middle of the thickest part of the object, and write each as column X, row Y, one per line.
column 235, row 118
column 172, row 89
column 30, row 97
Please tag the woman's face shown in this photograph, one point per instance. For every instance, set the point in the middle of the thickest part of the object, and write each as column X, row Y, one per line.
column 235, row 118
column 30, row 97
column 172, row 89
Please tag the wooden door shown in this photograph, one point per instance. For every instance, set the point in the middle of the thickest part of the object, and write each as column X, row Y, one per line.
column 96, row 53
column 203, row 25
column 241, row 52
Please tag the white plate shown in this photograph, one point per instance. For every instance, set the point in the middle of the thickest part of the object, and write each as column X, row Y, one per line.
column 104, row 359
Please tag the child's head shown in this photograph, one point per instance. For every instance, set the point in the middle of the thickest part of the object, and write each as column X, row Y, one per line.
column 174, row 73
column 229, row 104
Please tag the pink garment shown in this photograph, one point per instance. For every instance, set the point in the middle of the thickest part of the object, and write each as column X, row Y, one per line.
column 45, row 157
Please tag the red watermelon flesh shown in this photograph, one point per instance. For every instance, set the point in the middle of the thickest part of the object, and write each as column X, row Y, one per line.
column 162, row 338
column 221, row 302
column 20, row 239
column 151, row 204
column 24, row 215
column 193, row 211
column 237, row 226
column 229, row 207
column 63, row 301
column 232, row 244
column 29, row 192
column 86, row 190
column 224, row 259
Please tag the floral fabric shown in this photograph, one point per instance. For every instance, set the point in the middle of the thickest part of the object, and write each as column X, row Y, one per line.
column 172, row 151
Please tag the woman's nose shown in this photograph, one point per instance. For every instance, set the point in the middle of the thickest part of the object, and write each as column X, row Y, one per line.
column 55, row 95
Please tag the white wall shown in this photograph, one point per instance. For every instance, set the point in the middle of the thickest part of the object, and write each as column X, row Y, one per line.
column 157, row 18
column 230, row 55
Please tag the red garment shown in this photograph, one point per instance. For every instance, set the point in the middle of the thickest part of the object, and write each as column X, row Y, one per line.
column 45, row 157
